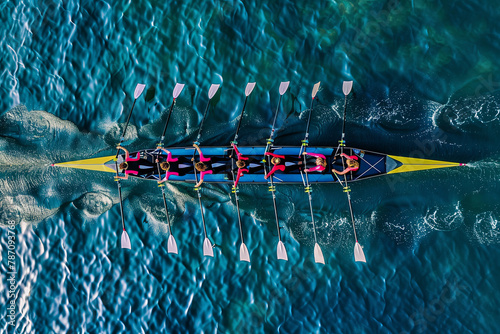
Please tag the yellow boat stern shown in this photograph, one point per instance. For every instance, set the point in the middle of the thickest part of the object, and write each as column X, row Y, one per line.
column 406, row 164
column 103, row 164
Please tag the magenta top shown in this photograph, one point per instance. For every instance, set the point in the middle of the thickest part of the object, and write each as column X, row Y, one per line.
column 318, row 168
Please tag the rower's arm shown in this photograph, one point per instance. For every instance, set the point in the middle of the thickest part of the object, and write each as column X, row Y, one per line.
column 202, row 158
column 169, row 155
column 345, row 171
column 240, row 174
column 275, row 168
column 275, row 155
column 127, row 155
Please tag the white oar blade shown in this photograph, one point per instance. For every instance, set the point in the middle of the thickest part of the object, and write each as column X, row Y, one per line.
column 178, row 89
column 315, row 89
column 249, row 89
column 208, row 250
column 359, row 256
column 213, row 89
column 318, row 254
column 172, row 245
column 138, row 90
column 284, row 87
column 126, row 240
column 244, row 255
column 346, row 87
column 282, row 255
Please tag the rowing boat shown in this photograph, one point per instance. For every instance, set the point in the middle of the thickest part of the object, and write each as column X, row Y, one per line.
column 371, row 164
column 295, row 169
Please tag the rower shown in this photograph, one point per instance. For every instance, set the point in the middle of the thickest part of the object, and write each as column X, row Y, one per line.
column 282, row 163
column 320, row 162
column 207, row 168
column 172, row 166
column 352, row 164
column 135, row 166
column 240, row 163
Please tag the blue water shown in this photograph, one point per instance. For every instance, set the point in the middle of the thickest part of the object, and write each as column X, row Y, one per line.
column 426, row 84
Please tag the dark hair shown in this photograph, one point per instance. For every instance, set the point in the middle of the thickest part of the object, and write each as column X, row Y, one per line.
column 352, row 163
column 123, row 165
column 200, row 166
column 320, row 162
column 165, row 165
column 240, row 163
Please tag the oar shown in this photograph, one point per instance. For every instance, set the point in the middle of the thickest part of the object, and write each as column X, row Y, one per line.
column 283, row 88
column 177, row 90
column 138, row 91
column 281, row 250
column 171, row 243
column 244, row 254
column 305, row 142
column 359, row 256
column 248, row 91
column 125, row 239
column 207, row 244
column 346, row 88
column 213, row 89
column 208, row 249
column 318, row 254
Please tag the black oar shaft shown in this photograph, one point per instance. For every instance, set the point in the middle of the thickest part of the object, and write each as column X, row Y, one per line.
column 352, row 216
column 202, row 215
column 241, row 117
column 121, row 204
column 309, row 119
column 275, row 117
column 312, row 217
column 202, row 121
column 343, row 123
column 239, row 216
column 125, row 129
column 164, row 198
column 166, row 123
column 275, row 207
column 166, row 210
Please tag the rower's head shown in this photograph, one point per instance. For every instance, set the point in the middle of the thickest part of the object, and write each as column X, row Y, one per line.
column 123, row 165
column 241, row 164
column 165, row 165
column 352, row 163
column 200, row 166
column 320, row 162
column 275, row 161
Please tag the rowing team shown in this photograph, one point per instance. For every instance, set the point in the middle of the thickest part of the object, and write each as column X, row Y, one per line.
column 144, row 163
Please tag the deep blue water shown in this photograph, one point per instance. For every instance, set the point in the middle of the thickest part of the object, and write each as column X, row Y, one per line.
column 426, row 83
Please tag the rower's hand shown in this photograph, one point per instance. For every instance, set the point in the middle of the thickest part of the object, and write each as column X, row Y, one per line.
column 192, row 159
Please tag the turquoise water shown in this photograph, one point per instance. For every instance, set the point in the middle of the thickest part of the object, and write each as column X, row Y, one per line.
column 426, row 84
